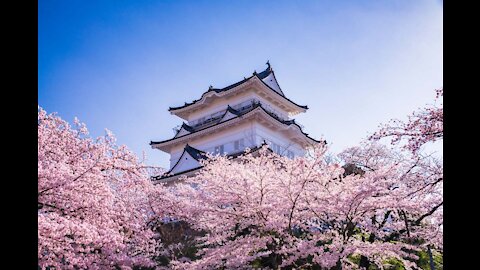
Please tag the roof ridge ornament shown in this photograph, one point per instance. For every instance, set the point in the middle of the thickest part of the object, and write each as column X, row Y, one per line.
column 210, row 87
column 268, row 64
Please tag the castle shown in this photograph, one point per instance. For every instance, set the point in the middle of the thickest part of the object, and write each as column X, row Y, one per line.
column 228, row 120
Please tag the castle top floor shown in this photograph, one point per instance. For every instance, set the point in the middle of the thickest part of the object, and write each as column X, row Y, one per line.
column 261, row 87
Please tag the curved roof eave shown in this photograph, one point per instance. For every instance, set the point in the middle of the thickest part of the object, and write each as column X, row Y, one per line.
column 273, row 73
column 301, row 106
column 211, row 89
column 219, row 90
column 186, row 128
column 289, row 122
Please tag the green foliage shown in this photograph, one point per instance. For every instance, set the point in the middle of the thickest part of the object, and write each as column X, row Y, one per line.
column 394, row 264
column 355, row 258
column 424, row 260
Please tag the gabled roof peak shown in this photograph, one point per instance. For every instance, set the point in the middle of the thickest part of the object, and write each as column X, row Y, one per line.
column 232, row 110
column 194, row 152
column 187, row 127
column 262, row 75
column 270, row 82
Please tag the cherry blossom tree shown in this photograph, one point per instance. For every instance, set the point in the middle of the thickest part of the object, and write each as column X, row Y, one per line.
column 94, row 200
column 425, row 125
column 270, row 211
column 422, row 177
column 98, row 209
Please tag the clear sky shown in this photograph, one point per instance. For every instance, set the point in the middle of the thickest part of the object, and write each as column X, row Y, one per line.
column 121, row 64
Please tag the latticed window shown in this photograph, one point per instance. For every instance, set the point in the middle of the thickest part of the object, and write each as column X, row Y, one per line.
column 238, row 145
column 277, row 148
column 199, row 121
column 218, row 149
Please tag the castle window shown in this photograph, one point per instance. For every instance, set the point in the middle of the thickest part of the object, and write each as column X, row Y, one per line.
column 239, row 145
column 217, row 114
column 277, row 148
column 200, row 121
column 218, row 149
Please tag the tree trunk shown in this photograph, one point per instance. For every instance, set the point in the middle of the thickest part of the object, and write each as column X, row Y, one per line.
column 338, row 266
column 430, row 256
column 364, row 262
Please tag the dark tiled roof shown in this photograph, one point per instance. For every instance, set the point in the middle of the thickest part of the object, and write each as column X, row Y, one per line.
column 187, row 127
column 209, row 122
column 231, row 110
column 166, row 175
column 195, row 153
column 262, row 75
column 255, row 105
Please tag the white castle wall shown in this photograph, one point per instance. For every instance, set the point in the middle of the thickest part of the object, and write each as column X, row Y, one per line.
column 186, row 163
column 271, row 136
column 227, row 137
column 270, row 81
column 252, row 133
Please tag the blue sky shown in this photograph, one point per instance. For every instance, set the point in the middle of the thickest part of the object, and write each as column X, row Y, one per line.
column 121, row 64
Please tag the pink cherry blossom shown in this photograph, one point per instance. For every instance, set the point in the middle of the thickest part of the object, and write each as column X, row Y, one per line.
column 423, row 126
column 98, row 209
column 93, row 200
column 294, row 213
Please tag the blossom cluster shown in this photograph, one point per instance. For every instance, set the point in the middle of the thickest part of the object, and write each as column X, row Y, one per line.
column 93, row 200
column 425, row 125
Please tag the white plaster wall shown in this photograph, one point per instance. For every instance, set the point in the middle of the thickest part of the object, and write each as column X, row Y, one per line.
column 270, row 81
column 253, row 134
column 182, row 132
column 264, row 133
column 226, row 137
column 186, row 163
column 174, row 156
